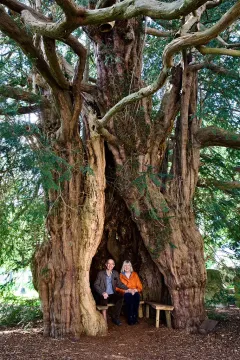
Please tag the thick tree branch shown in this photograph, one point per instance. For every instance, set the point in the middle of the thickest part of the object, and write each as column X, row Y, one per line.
column 218, row 38
column 122, row 10
column 192, row 19
column 212, row 136
column 213, row 4
column 101, row 4
column 159, row 33
column 20, row 94
column 172, row 48
column 81, row 51
column 233, row 45
column 217, row 51
column 222, row 185
column 215, row 68
column 88, row 109
column 202, row 37
column 88, row 88
column 50, row 51
column 68, row 6
column 18, row 7
column 144, row 92
column 10, row 28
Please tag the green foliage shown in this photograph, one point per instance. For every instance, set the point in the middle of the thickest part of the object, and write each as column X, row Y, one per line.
column 217, row 211
column 219, row 289
column 11, row 58
column 135, row 210
column 140, row 183
column 86, row 170
column 18, row 311
column 221, row 297
column 22, row 209
column 236, row 283
column 26, row 171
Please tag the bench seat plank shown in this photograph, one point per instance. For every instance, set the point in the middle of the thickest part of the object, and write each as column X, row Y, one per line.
column 159, row 307
column 105, row 307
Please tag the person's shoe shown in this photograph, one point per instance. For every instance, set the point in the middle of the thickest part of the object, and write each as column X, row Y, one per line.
column 117, row 322
column 135, row 320
column 130, row 320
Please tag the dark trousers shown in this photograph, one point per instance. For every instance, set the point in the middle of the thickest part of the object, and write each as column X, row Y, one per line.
column 116, row 299
column 132, row 305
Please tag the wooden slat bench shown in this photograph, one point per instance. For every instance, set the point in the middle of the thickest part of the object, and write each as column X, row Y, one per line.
column 104, row 307
column 140, row 309
column 159, row 307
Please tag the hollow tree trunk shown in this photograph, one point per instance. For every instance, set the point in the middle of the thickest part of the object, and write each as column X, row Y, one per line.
column 161, row 209
column 75, row 225
column 122, row 241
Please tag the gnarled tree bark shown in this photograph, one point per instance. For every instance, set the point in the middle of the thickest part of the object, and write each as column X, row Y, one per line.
column 161, row 208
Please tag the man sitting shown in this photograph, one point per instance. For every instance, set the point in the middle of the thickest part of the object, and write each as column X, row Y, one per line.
column 105, row 285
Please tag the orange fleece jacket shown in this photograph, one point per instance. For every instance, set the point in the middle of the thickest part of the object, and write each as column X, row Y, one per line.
column 132, row 283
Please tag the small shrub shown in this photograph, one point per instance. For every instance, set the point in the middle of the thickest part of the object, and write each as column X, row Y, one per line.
column 221, row 297
column 15, row 311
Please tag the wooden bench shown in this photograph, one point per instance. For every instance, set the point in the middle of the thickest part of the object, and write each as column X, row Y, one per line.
column 140, row 309
column 159, row 307
column 104, row 307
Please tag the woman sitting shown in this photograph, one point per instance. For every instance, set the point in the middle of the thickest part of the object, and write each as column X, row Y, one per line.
column 132, row 295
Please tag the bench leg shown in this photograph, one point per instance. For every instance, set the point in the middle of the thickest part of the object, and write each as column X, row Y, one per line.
column 157, row 318
column 104, row 314
column 140, row 311
column 147, row 311
column 168, row 318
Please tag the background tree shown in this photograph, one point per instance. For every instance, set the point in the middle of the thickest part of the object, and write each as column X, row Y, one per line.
column 153, row 151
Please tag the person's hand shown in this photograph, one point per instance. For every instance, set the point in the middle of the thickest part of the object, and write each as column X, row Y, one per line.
column 105, row 295
column 129, row 291
column 134, row 291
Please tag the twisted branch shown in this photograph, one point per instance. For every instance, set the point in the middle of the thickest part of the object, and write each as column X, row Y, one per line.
column 171, row 49
column 213, row 136
column 79, row 16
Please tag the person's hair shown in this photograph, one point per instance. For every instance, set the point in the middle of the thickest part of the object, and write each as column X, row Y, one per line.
column 127, row 262
column 108, row 261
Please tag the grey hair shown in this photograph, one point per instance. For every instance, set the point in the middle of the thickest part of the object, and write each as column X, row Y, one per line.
column 127, row 262
column 108, row 261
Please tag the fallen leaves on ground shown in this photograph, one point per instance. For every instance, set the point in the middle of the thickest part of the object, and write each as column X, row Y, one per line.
column 138, row 342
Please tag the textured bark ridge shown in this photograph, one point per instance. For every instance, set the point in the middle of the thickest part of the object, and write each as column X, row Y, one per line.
column 75, row 225
column 92, row 223
column 158, row 198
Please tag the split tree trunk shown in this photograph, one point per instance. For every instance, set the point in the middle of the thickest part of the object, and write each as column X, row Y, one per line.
column 122, row 241
column 161, row 209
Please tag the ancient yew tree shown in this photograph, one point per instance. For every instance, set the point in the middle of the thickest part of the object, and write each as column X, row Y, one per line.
column 122, row 138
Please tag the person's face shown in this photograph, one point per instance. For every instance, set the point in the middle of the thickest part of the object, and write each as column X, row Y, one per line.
column 110, row 265
column 127, row 267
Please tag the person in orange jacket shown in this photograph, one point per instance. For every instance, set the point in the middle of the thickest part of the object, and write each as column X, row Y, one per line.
column 132, row 296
